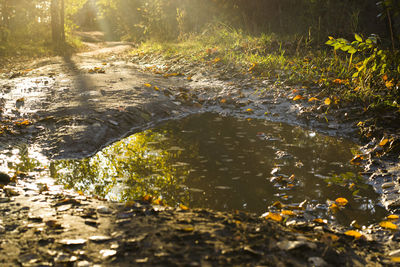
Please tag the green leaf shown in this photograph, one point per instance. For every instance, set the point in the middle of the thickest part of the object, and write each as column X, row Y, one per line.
column 358, row 37
column 352, row 50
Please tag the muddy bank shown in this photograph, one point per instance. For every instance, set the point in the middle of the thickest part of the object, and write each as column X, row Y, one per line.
column 72, row 107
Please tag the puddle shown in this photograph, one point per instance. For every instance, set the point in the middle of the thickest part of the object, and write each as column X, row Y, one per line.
column 226, row 163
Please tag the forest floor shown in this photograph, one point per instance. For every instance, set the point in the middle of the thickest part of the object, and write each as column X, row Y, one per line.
column 73, row 106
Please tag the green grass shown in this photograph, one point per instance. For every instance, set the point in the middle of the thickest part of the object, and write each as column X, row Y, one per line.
column 289, row 60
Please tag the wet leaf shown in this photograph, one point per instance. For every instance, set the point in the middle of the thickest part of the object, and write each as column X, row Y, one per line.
column 218, row 59
column 158, row 201
column 354, row 234
column 156, row 88
column 22, row 123
column 351, row 186
column 341, row 201
column 357, row 160
column 19, row 100
column 298, row 97
column 249, row 110
column 393, row 217
column 147, row 85
column 395, row 259
column 313, row 99
column 288, row 213
column 385, row 77
column 333, row 207
column 223, row 101
column 278, row 205
column 388, row 225
column 384, row 142
column 274, row 217
column 327, row 101
column 320, row 221
column 183, row 207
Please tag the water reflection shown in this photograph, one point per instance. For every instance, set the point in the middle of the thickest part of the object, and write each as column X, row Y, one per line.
column 225, row 163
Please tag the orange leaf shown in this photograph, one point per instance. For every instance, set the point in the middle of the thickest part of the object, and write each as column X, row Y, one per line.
column 183, row 207
column 384, row 142
column 249, row 110
column 288, row 213
column 313, row 99
column 353, row 233
column 298, row 97
column 274, row 216
column 388, row 225
column 393, row 217
column 385, row 77
column 341, row 201
column 389, row 84
column 320, row 221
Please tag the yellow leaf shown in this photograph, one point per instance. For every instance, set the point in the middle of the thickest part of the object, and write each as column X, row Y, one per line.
column 320, row 221
column 22, row 123
column 353, row 233
column 147, row 85
column 183, row 207
column 351, row 186
column 188, row 229
column 189, row 78
column 327, row 101
column 298, row 97
column 361, row 123
column 249, row 110
column 395, row 259
column 388, row 225
column 341, row 201
column 334, row 208
column 158, row 201
column 252, row 67
column 393, row 217
column 389, row 84
column 288, row 213
column 278, row 205
column 384, row 142
column 218, row 59
column 156, row 88
column 313, row 99
column 274, row 216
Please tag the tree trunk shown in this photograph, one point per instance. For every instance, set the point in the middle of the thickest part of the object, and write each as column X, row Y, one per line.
column 57, row 22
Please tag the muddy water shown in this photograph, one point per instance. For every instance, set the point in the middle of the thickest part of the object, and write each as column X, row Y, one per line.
column 226, row 163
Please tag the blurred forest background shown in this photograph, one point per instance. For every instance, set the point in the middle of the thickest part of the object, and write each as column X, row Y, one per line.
column 25, row 25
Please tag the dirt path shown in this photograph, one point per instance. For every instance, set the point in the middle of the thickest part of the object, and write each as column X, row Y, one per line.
column 71, row 107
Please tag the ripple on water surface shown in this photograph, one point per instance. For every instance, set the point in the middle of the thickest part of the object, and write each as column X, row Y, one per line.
column 227, row 163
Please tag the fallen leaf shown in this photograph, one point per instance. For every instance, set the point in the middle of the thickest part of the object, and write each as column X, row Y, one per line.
column 354, row 234
column 183, row 207
column 384, row 142
column 385, row 77
column 249, row 110
column 389, row 84
column 395, row 259
column 147, row 85
column 288, row 213
column 393, row 217
column 333, row 207
column 320, row 221
column 313, row 99
column 356, row 160
column 252, row 67
column 298, row 97
column 341, row 201
column 223, row 101
column 19, row 100
column 274, row 216
column 388, row 225
column 327, row 101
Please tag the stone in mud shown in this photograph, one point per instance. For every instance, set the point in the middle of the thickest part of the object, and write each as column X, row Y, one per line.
column 103, row 210
column 317, row 262
column 4, row 178
column 106, row 253
column 72, row 242
column 99, row 238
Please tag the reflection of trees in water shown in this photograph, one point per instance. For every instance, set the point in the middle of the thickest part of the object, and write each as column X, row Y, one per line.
column 128, row 169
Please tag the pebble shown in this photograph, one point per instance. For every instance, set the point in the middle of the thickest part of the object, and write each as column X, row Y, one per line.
column 317, row 262
column 2, row 229
column 99, row 238
column 83, row 264
column 72, row 242
column 290, row 245
column 103, row 210
column 106, row 253
column 388, row 185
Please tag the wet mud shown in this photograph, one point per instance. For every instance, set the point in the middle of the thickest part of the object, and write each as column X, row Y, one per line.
column 72, row 107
